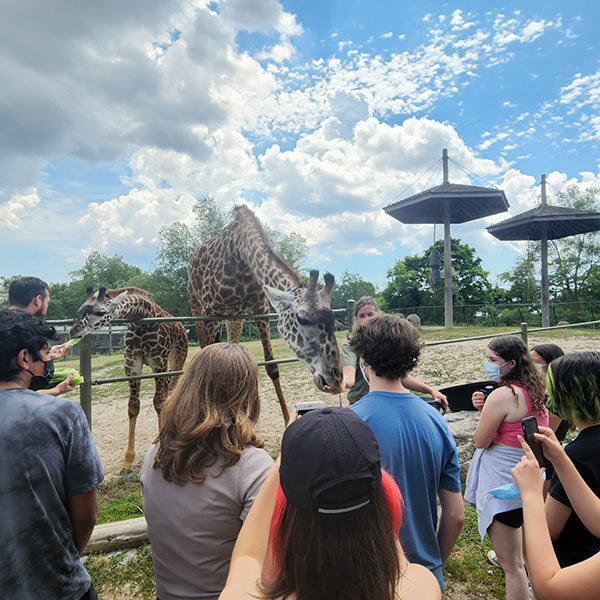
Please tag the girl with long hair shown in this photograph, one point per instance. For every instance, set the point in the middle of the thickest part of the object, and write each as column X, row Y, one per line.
column 325, row 524
column 520, row 394
column 203, row 472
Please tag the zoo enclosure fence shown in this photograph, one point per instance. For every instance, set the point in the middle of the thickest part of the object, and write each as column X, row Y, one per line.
column 85, row 356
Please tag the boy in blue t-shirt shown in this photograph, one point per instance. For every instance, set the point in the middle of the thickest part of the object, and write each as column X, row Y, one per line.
column 416, row 446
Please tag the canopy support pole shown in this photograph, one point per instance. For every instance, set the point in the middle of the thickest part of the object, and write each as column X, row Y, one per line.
column 448, row 318
column 544, row 251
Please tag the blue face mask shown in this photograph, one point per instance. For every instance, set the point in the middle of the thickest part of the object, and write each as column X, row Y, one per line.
column 492, row 371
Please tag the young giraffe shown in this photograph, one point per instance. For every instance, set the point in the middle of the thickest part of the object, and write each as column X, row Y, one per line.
column 158, row 345
column 237, row 272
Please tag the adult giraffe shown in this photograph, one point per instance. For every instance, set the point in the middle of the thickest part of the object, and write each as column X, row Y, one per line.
column 158, row 345
column 237, row 272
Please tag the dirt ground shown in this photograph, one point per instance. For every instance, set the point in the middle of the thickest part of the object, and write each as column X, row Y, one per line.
column 440, row 365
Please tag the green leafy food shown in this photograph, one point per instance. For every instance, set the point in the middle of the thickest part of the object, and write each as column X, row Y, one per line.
column 61, row 373
column 72, row 342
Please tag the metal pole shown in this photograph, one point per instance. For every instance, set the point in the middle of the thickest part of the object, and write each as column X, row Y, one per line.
column 448, row 319
column 445, row 165
column 85, row 368
column 544, row 266
column 350, row 314
column 110, row 339
column 524, row 333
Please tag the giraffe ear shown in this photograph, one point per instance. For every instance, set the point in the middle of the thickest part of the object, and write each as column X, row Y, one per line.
column 118, row 299
column 278, row 298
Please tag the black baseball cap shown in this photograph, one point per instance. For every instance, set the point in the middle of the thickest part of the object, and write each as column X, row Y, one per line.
column 330, row 462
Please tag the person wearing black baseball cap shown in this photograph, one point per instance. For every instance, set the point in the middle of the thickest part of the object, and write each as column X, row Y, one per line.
column 325, row 524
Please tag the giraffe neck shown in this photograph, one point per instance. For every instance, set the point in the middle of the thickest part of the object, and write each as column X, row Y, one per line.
column 138, row 307
column 262, row 260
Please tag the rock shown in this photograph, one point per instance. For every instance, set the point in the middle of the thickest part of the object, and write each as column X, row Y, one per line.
column 462, row 425
column 414, row 320
column 563, row 323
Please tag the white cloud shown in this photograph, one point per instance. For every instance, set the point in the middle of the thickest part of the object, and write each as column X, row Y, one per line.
column 18, row 208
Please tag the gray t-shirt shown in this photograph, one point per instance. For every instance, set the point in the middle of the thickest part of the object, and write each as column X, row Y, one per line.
column 46, row 455
column 193, row 527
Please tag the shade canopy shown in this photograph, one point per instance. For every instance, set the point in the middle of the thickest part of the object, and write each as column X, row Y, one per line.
column 558, row 222
column 466, row 203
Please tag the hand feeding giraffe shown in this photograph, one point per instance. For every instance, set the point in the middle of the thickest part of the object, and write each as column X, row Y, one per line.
column 237, row 272
column 162, row 346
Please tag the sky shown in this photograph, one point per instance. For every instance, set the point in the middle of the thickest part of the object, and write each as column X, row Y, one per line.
column 116, row 117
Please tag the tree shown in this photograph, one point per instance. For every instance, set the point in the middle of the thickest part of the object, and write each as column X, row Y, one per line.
column 409, row 283
column 524, row 285
column 98, row 270
column 573, row 259
column 351, row 287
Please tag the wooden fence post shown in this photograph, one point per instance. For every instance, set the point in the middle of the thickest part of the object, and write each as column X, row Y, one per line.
column 350, row 314
column 85, row 368
column 524, row 333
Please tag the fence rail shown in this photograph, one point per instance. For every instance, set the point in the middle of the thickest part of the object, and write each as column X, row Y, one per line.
column 85, row 358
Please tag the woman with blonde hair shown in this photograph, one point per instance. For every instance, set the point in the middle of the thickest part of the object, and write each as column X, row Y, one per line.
column 203, row 472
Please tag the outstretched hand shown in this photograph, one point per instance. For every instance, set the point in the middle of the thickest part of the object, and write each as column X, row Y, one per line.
column 527, row 472
column 58, row 351
column 64, row 386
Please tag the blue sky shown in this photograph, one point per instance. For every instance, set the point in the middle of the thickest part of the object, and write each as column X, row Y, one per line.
column 117, row 117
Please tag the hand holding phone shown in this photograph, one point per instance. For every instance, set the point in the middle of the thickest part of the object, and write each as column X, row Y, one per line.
column 303, row 407
column 530, row 426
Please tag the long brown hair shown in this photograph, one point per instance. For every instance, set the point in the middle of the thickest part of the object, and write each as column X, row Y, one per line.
column 349, row 555
column 211, row 414
column 524, row 373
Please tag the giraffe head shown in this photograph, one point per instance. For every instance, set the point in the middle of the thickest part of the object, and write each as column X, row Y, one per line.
column 307, row 324
column 98, row 310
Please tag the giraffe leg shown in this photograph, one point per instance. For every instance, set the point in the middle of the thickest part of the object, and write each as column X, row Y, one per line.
column 161, row 390
column 133, row 366
column 207, row 332
column 272, row 370
column 234, row 331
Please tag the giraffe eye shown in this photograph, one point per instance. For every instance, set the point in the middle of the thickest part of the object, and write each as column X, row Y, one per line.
column 100, row 313
column 303, row 320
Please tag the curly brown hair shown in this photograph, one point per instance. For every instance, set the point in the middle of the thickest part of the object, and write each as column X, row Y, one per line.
column 389, row 344
column 211, row 414
column 524, row 373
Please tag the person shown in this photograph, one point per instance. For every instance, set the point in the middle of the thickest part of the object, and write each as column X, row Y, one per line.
column 48, row 476
column 548, row 578
column 520, row 394
column 325, row 522
column 574, row 393
column 417, row 448
column 32, row 295
column 203, row 473
column 353, row 379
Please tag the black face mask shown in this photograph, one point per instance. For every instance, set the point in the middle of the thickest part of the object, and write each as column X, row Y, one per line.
column 39, row 382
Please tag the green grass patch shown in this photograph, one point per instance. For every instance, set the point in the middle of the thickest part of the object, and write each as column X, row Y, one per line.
column 120, row 498
column 135, row 579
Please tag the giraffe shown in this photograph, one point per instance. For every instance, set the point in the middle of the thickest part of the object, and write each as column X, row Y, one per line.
column 237, row 272
column 159, row 345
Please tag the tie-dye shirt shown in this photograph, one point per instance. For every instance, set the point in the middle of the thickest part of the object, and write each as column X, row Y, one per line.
column 46, row 455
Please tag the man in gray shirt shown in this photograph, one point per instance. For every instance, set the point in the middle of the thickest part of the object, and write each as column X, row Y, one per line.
column 49, row 471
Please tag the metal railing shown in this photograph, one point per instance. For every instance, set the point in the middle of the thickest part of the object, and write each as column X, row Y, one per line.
column 85, row 358
column 85, row 355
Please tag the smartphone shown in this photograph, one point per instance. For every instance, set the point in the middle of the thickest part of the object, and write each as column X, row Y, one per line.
column 530, row 426
column 303, row 407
